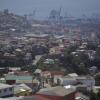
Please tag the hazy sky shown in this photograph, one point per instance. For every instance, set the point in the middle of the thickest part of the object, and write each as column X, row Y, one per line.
column 43, row 7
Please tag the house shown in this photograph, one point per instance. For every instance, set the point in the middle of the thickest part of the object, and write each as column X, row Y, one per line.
column 67, row 81
column 30, row 81
column 22, row 90
column 6, row 90
column 56, row 93
column 47, row 76
column 74, row 80
column 19, row 98
column 93, row 70
column 51, row 77
column 86, row 80
column 2, row 80
column 18, row 79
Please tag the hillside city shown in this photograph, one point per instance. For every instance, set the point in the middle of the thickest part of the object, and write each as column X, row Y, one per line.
column 53, row 59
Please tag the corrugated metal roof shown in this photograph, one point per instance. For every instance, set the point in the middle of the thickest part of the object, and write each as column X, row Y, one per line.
column 21, row 88
column 57, row 91
column 15, row 77
column 3, row 86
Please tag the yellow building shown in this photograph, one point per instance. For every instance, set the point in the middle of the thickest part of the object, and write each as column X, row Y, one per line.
column 22, row 90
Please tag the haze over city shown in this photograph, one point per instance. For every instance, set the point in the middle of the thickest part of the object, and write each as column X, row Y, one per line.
column 49, row 49
column 43, row 7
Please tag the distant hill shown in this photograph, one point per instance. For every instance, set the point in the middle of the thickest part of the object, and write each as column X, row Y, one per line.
column 13, row 23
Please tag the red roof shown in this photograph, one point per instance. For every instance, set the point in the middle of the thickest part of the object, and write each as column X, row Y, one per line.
column 53, row 73
column 45, row 72
column 38, row 97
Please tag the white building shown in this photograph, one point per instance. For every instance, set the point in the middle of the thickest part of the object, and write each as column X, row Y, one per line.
column 88, row 81
column 6, row 90
column 65, row 81
column 85, row 80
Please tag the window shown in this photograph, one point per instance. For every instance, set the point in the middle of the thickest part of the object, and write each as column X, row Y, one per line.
column 10, row 89
column 5, row 90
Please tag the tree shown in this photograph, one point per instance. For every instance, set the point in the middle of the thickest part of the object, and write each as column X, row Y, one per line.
column 92, row 46
column 93, row 96
column 70, row 49
column 98, row 95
